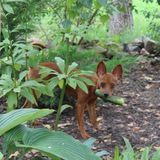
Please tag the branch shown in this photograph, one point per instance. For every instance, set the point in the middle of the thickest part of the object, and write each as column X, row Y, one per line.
column 89, row 23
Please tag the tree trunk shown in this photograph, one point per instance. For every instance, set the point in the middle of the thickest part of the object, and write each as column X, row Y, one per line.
column 121, row 20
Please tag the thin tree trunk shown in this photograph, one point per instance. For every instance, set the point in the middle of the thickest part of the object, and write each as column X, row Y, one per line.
column 121, row 20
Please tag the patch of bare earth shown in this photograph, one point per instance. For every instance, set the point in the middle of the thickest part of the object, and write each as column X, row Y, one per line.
column 138, row 119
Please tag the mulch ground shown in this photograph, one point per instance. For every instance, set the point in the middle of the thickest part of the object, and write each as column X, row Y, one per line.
column 138, row 119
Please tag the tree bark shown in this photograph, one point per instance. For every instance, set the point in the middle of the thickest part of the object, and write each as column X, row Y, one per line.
column 121, row 20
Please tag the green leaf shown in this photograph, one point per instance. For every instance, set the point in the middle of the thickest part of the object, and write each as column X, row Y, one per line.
column 82, row 85
column 97, row 5
column 35, row 85
column 61, row 83
column 11, row 99
column 156, row 155
column 88, row 3
column 61, row 64
column 71, row 82
column 1, row 155
column 86, row 80
column 89, row 142
column 103, row 2
column 6, row 35
column 56, row 144
column 102, row 153
column 22, row 75
column 8, row 8
column 158, row 1
column 145, row 153
column 71, row 67
column 116, row 153
column 11, row 136
column 14, row 118
column 130, row 152
column 72, row 13
column 27, row 93
column 104, row 18
column 52, row 83
column 65, row 106
column 66, row 23
column 70, row 3
column 17, row 66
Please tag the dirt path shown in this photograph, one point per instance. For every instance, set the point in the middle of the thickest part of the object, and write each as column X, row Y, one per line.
column 138, row 120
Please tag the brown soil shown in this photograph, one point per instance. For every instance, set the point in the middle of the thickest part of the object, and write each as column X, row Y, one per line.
column 138, row 119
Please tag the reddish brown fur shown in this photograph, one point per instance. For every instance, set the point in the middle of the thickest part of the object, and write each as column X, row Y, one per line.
column 104, row 81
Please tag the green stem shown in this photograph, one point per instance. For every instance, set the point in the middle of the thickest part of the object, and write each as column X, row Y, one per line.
column 60, row 106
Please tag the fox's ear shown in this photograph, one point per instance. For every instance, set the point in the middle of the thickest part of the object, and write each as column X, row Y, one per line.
column 117, row 71
column 101, row 69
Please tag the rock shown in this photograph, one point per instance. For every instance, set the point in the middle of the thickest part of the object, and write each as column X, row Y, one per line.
column 125, row 47
column 134, row 49
column 138, row 42
column 149, row 45
column 144, row 52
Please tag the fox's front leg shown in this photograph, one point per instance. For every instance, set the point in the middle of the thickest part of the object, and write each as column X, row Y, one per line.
column 92, row 113
column 80, row 117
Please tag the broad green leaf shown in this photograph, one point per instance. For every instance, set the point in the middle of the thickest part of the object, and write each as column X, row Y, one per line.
column 8, row 8
column 65, row 106
column 104, row 18
column 103, row 2
column 11, row 136
column 57, row 144
column 61, row 64
column 14, row 118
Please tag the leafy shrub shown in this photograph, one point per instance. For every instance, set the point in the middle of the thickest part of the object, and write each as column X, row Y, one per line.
column 154, row 25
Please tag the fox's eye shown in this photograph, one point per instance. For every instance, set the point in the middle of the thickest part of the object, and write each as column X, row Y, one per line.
column 102, row 84
column 113, row 85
